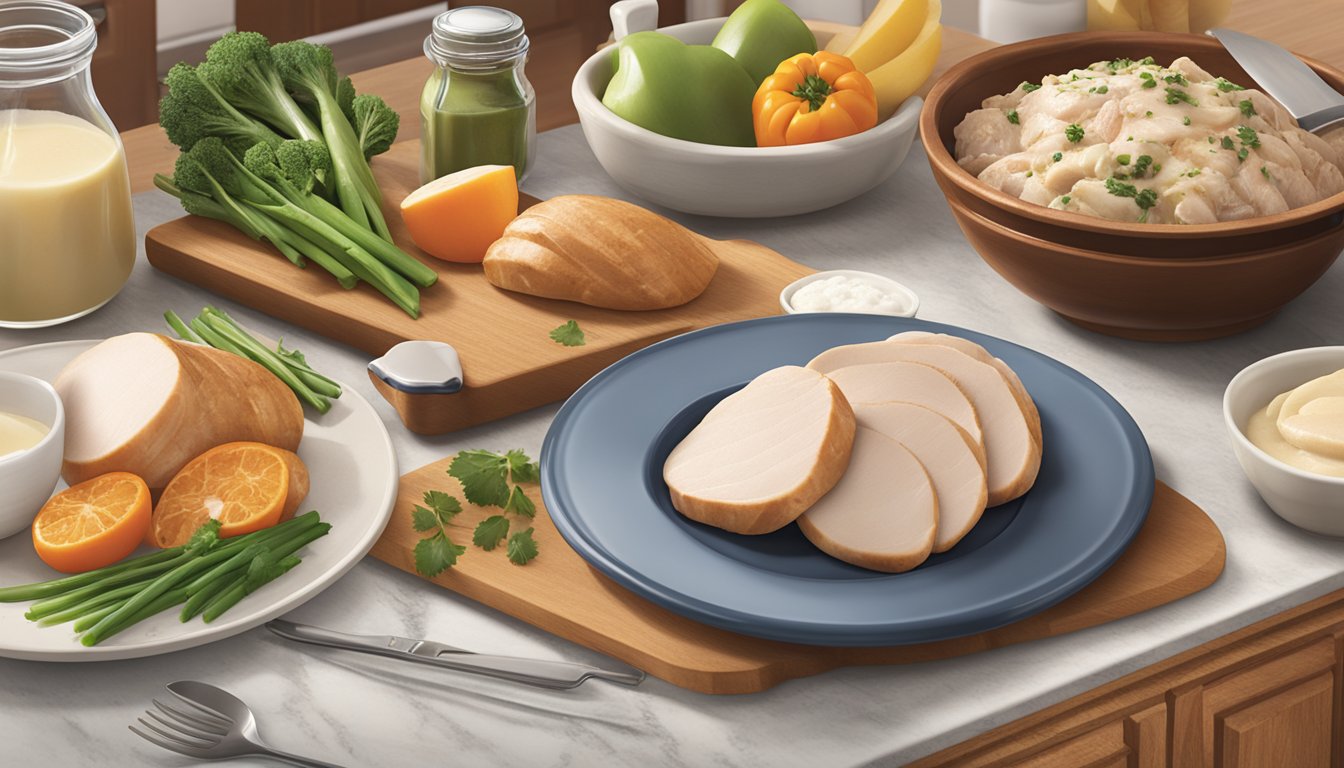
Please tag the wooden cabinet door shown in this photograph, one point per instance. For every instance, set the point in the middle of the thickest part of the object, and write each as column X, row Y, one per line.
column 1282, row 711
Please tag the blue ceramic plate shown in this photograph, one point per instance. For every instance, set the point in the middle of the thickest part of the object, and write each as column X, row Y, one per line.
column 602, row 481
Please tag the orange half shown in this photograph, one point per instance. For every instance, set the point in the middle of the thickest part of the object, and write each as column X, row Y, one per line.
column 246, row 486
column 93, row 524
column 458, row 216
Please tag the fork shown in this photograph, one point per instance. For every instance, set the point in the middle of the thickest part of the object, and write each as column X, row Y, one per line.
column 214, row 725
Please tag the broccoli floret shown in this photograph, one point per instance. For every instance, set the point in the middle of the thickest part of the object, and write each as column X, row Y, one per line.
column 376, row 123
column 239, row 67
column 193, row 110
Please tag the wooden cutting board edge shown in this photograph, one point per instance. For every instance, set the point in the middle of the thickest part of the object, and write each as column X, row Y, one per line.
column 1178, row 552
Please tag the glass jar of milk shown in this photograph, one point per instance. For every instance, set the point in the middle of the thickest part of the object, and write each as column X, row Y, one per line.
column 67, row 236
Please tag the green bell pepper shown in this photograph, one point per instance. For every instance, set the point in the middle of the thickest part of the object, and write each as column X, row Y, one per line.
column 693, row 92
column 762, row 33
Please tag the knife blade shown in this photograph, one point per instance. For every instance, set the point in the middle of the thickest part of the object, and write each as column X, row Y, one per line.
column 1285, row 77
column 539, row 672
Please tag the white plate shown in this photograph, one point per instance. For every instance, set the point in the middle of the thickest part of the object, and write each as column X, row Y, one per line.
column 354, row 483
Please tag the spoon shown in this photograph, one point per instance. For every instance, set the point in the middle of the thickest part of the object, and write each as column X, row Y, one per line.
column 1282, row 75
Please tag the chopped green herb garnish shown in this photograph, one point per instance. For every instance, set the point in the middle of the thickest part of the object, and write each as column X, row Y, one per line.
column 1147, row 61
column 1118, row 64
column 1176, row 78
column 1248, row 136
column 1141, row 165
column 1264, row 171
column 1103, row 88
column 1145, row 199
column 1247, row 108
column 1120, row 189
column 1212, row 140
column 1227, row 143
column 1074, row 133
column 1029, row 87
column 1012, row 116
column 1149, row 113
column 1157, row 168
column 1029, row 174
column 1057, row 156
column 1186, row 120
column 569, row 334
column 1193, row 172
column 1242, row 154
column 1225, row 85
column 1175, row 94
column 1065, row 200
column 1148, row 80
column 1122, row 159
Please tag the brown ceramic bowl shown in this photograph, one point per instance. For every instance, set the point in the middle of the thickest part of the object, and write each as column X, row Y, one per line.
column 1068, row 247
column 1157, row 299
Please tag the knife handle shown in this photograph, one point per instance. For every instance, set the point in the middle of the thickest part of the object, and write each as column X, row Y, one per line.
column 546, row 674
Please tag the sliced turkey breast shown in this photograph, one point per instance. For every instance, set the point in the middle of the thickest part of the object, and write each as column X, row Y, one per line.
column 764, row 454
column 980, row 353
column 883, row 514
column 1012, row 456
column 957, row 475
column 911, row 383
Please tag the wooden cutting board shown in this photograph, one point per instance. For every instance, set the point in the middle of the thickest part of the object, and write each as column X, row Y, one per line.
column 1179, row 551
column 509, row 362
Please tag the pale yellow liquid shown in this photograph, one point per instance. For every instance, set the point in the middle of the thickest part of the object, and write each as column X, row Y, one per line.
column 67, row 236
column 19, row 433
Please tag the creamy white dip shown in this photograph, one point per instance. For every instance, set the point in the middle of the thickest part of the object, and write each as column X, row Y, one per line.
column 842, row 293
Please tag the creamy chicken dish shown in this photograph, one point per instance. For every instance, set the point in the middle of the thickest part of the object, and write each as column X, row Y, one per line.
column 1135, row 141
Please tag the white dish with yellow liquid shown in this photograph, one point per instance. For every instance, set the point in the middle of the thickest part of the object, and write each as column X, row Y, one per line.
column 65, row 211
column 32, row 441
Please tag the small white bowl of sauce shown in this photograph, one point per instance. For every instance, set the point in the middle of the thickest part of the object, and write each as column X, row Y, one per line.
column 1295, row 463
column 32, row 444
column 848, row 290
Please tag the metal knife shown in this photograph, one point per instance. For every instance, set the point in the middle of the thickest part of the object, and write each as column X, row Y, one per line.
column 1282, row 75
column 538, row 672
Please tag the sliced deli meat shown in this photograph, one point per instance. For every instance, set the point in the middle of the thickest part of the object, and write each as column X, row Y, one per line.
column 957, row 474
column 1013, row 457
column 978, row 352
column 144, row 404
column 911, row 383
column 764, row 454
column 883, row 514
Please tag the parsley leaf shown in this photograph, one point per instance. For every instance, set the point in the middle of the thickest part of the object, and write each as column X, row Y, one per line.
column 1148, row 81
column 1121, row 189
column 1225, row 85
column 1242, row 154
column 1012, row 118
column 522, row 468
column 1248, row 136
column 1175, row 94
column 1176, row 78
column 205, row 537
column 1118, row 64
column 445, row 507
column 570, row 334
column 1247, row 108
column 1185, row 120
column 519, row 504
column 1029, row 87
column 1057, row 156
column 423, row 519
column 490, row 532
column 522, row 548
column 1074, row 133
column 483, row 477
column 1264, row 171
column 1227, row 143
column 1065, row 200
column 1147, row 61
column 436, row 554
column 1141, row 165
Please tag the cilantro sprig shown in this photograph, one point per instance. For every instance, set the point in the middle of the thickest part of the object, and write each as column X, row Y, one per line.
column 436, row 553
column 570, row 334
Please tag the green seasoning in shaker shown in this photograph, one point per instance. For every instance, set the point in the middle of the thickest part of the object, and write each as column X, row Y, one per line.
column 478, row 107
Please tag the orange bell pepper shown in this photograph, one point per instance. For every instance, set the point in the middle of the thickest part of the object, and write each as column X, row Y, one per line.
column 813, row 97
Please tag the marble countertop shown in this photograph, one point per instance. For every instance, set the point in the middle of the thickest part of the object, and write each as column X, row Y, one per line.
column 360, row 710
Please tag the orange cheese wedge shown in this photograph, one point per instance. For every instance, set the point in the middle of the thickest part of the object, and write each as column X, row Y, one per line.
column 458, row 216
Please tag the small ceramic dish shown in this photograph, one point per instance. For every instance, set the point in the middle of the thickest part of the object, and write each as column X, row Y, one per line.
column 715, row 180
column 908, row 300
column 28, row 477
column 1305, row 499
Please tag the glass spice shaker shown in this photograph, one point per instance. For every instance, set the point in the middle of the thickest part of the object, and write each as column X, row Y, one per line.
column 477, row 107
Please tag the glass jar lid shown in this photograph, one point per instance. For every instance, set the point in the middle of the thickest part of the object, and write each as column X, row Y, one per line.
column 476, row 37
